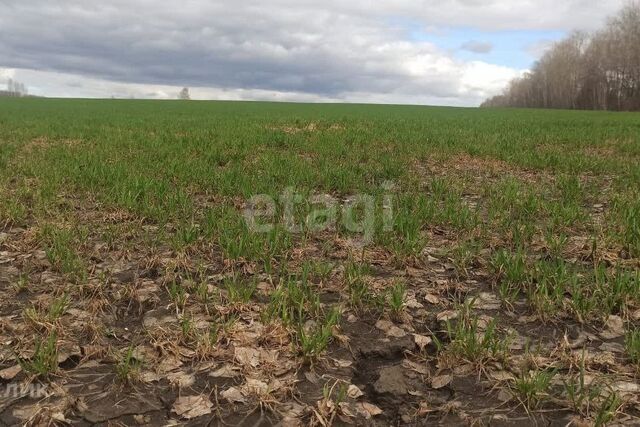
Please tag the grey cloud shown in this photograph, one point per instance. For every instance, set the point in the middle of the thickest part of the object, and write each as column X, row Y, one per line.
column 330, row 49
column 254, row 48
column 477, row 46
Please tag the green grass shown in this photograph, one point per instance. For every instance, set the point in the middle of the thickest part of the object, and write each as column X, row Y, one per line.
column 473, row 342
column 396, row 299
column 632, row 344
column 533, row 387
column 539, row 207
column 61, row 253
column 127, row 367
column 44, row 361
column 239, row 290
column 314, row 340
column 189, row 167
column 56, row 309
column 294, row 301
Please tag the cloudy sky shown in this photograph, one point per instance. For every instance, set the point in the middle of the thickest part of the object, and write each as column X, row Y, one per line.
column 439, row 52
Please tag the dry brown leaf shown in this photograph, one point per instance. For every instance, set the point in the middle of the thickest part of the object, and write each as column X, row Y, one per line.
column 150, row 377
column 186, row 353
column 420, row 368
column 10, row 373
column 142, row 419
column 345, row 412
column 169, row 363
column 421, row 341
column 501, row 375
column 189, row 407
column 247, row 356
column 342, row 363
column 225, row 371
column 290, row 422
column 516, row 341
column 264, row 287
column 396, row 332
column 425, row 408
column 504, row 395
column 615, row 328
column 367, row 410
column 483, row 322
column 155, row 319
column 441, row 381
column 293, row 410
column 143, row 353
column 527, row 319
column 147, row 291
column 341, row 338
column 390, row 329
column 276, row 383
column 181, row 379
column 464, row 369
column 312, row 377
column 487, row 301
column 384, row 325
column 354, row 392
column 412, row 302
column 233, row 395
column 68, row 350
column 257, row 387
column 59, row 417
column 432, row 299
column 443, row 316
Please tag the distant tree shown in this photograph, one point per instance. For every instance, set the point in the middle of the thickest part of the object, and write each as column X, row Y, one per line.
column 184, row 94
column 16, row 88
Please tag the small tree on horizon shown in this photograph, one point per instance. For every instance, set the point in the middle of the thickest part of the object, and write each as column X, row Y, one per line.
column 184, row 94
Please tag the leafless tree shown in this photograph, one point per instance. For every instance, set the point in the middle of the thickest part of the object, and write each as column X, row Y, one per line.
column 184, row 94
column 599, row 71
column 15, row 88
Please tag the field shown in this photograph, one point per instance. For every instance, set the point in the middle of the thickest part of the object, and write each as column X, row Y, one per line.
column 202, row 263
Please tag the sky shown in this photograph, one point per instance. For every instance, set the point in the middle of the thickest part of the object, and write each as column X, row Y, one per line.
column 433, row 52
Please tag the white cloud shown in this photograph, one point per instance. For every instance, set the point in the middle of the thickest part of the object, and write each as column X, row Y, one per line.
column 538, row 48
column 65, row 85
column 5, row 75
column 483, row 80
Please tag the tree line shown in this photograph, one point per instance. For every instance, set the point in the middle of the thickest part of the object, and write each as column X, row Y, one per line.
column 15, row 88
column 597, row 71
